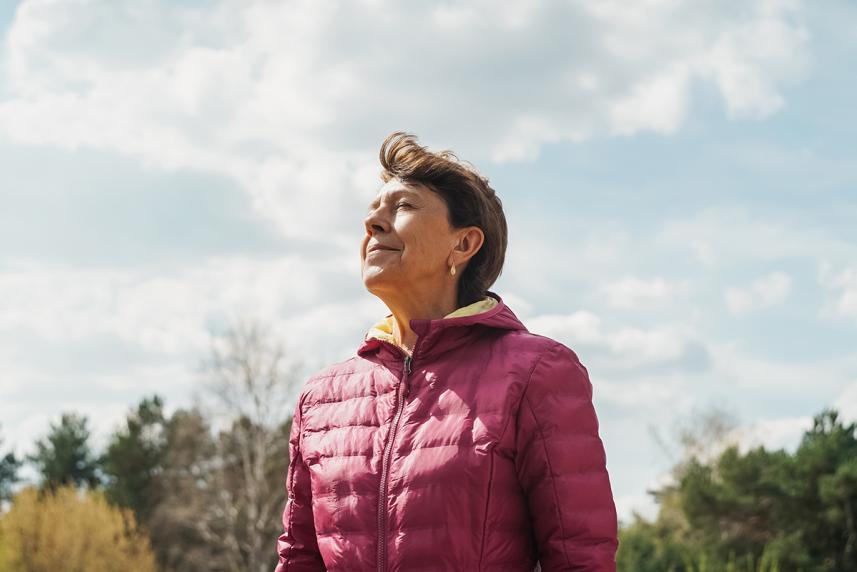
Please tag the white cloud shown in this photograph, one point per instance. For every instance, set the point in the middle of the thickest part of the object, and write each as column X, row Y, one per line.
column 627, row 348
column 846, row 403
column 290, row 99
column 56, row 320
column 658, row 104
column 596, row 251
column 46, row 380
column 166, row 312
column 773, row 434
column 764, row 292
column 520, row 305
column 634, row 292
column 656, row 345
column 581, row 326
column 642, row 504
column 844, row 283
column 661, row 395
column 813, row 381
column 718, row 237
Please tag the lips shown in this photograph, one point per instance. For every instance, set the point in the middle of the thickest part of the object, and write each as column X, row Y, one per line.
column 375, row 247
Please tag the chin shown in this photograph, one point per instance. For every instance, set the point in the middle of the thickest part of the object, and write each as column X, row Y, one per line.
column 375, row 282
column 372, row 280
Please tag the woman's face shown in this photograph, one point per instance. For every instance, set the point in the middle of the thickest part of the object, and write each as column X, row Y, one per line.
column 411, row 225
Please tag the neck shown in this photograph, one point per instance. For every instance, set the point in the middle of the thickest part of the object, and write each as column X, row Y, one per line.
column 407, row 308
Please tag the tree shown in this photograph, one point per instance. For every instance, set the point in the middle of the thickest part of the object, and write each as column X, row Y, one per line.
column 651, row 547
column 757, row 511
column 252, row 492
column 185, row 483
column 823, row 491
column 186, row 494
column 133, row 459
column 250, row 381
column 702, row 436
column 64, row 456
column 9, row 466
column 162, row 469
column 67, row 529
column 207, row 483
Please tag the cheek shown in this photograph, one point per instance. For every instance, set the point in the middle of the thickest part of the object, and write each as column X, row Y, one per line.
column 425, row 244
column 413, row 237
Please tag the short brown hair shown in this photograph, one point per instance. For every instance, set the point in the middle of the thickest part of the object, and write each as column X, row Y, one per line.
column 469, row 198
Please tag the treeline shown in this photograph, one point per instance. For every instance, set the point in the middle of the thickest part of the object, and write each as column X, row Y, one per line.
column 758, row 511
column 201, row 489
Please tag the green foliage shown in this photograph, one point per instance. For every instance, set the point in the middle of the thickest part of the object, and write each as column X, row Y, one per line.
column 650, row 547
column 64, row 456
column 9, row 466
column 207, row 501
column 134, row 458
column 183, row 496
column 760, row 511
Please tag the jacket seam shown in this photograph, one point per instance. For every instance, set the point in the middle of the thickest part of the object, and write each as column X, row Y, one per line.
column 487, row 506
column 344, row 399
column 329, row 375
column 517, row 409
column 523, row 392
column 550, row 467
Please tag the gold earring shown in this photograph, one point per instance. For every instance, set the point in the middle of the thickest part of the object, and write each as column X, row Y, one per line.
column 452, row 269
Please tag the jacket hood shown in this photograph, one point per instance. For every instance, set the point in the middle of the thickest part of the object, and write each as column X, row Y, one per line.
column 489, row 312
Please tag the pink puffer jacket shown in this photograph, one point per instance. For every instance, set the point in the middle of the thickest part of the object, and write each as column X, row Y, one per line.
column 480, row 451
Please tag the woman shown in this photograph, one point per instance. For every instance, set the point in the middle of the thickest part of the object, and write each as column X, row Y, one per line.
column 455, row 439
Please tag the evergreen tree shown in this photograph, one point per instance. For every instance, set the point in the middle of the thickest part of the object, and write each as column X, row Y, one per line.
column 758, row 511
column 64, row 456
column 9, row 466
column 133, row 459
column 824, row 495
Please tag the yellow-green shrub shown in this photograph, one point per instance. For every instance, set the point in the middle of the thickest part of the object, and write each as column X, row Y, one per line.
column 73, row 531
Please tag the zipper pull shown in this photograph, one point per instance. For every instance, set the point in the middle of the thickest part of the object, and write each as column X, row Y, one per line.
column 406, row 389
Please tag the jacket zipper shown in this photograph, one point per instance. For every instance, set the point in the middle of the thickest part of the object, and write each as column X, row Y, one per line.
column 385, row 464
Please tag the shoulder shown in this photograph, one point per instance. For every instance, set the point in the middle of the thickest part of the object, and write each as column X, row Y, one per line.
column 336, row 369
column 540, row 350
column 545, row 367
column 557, row 395
column 555, row 369
column 326, row 381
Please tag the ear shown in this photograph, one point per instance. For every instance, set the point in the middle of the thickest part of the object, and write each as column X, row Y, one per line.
column 470, row 240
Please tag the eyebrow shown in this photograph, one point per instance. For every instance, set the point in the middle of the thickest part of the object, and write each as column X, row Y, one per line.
column 374, row 204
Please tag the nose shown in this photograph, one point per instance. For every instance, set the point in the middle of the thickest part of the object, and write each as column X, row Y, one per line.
column 375, row 223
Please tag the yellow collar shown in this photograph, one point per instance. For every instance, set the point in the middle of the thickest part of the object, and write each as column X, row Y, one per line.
column 383, row 329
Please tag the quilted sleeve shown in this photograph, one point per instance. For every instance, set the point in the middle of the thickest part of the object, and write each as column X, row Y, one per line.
column 562, row 467
column 297, row 546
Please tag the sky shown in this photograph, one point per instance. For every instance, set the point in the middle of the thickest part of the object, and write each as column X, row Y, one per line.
column 679, row 180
